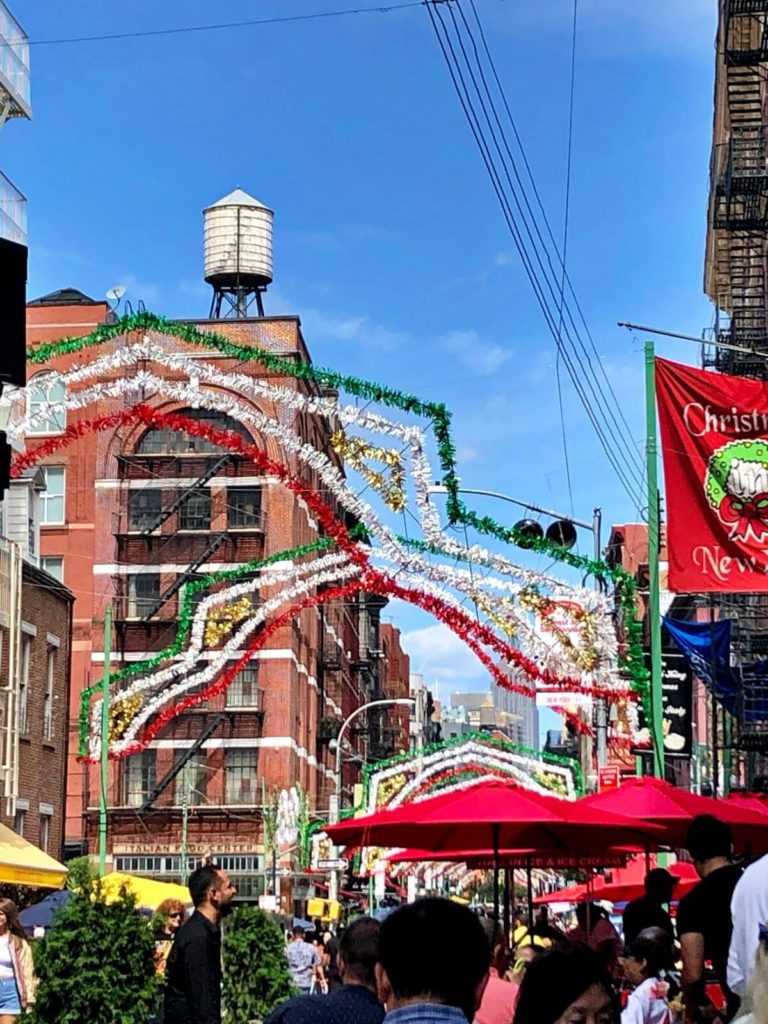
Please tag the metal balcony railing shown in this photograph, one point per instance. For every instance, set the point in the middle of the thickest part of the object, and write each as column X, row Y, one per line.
column 13, row 212
column 14, row 67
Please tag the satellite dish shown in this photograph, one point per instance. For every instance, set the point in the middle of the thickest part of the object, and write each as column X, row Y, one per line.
column 116, row 293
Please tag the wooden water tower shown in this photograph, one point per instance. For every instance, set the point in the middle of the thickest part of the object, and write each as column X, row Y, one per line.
column 238, row 255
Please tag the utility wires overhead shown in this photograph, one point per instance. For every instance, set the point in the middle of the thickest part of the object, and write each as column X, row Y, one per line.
column 470, row 64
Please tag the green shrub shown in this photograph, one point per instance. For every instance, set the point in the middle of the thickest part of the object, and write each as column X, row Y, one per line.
column 96, row 964
column 256, row 975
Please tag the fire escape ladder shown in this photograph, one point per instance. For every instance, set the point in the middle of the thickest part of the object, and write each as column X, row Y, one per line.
column 168, row 511
column 746, row 32
column 187, row 754
column 186, row 576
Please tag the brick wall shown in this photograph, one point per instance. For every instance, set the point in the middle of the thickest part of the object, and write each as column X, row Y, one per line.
column 46, row 609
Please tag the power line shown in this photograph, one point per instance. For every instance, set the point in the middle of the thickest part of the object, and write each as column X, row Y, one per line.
column 540, row 204
column 566, row 220
column 187, row 29
column 614, row 447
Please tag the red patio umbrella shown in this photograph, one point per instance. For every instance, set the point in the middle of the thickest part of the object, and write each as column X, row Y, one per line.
column 612, row 858
column 495, row 816
column 625, row 884
column 654, row 800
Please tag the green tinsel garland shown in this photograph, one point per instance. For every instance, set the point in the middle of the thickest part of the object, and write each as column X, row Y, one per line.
column 632, row 661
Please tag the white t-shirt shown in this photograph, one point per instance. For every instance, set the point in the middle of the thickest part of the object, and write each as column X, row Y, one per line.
column 749, row 909
column 6, row 962
column 648, row 1005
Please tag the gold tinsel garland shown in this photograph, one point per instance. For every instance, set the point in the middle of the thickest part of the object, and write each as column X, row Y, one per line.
column 355, row 450
column 122, row 713
column 586, row 651
column 221, row 621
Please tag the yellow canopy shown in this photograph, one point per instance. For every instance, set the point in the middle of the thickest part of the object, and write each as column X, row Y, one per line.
column 148, row 892
column 21, row 863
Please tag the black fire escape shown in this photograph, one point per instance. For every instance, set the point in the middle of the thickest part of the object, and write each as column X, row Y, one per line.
column 739, row 232
column 150, row 545
column 739, row 193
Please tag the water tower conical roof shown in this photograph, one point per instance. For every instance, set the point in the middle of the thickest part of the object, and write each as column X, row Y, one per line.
column 238, row 197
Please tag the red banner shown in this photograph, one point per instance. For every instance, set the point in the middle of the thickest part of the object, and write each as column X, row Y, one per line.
column 714, row 433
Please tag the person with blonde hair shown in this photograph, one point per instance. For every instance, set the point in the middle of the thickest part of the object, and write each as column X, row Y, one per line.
column 166, row 921
column 756, row 1000
column 17, row 974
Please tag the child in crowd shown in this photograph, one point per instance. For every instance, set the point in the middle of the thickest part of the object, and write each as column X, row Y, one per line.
column 643, row 963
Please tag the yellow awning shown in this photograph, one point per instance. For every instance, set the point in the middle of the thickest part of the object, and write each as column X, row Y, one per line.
column 22, row 863
column 148, row 892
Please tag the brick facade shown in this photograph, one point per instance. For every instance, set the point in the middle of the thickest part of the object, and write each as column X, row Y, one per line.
column 311, row 673
column 42, row 751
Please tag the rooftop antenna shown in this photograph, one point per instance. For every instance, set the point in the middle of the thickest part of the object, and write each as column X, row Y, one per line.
column 115, row 294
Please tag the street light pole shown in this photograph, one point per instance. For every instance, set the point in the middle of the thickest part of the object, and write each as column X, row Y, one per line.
column 333, row 816
column 601, row 711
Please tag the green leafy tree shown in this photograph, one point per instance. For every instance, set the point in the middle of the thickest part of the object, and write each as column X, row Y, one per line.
column 256, row 975
column 82, row 872
column 97, row 964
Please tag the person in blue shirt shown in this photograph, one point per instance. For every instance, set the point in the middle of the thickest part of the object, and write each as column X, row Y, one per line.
column 355, row 1002
column 433, row 966
column 303, row 961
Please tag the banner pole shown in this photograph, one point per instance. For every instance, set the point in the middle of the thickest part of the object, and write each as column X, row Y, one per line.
column 105, row 742
column 654, row 599
column 713, row 673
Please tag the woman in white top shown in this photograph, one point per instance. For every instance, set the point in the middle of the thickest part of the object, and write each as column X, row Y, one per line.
column 17, row 978
column 648, row 1003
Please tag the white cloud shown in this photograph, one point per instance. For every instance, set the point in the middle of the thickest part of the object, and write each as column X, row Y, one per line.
column 437, row 653
column 473, row 353
column 140, row 291
column 503, row 258
column 466, row 453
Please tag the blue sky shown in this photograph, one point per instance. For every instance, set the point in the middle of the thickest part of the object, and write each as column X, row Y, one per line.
column 388, row 240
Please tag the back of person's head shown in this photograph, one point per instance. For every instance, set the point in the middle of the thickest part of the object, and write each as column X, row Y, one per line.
column 297, row 932
column 645, row 950
column 659, row 884
column 433, row 951
column 359, row 951
column 664, row 940
column 201, row 881
column 708, row 837
column 561, row 978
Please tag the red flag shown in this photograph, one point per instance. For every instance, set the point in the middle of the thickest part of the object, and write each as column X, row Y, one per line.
column 714, row 432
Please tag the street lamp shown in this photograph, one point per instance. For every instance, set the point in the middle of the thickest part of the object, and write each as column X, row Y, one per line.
column 333, row 816
column 594, row 527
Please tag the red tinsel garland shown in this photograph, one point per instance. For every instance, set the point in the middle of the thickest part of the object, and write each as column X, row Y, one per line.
column 472, row 632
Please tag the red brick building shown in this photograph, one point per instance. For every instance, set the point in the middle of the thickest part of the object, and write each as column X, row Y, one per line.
column 395, row 683
column 131, row 515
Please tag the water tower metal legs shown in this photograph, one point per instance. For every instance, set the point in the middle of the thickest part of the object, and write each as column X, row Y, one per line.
column 236, row 303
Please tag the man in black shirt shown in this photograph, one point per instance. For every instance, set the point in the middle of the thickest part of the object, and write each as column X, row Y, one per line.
column 193, row 974
column 704, row 922
column 356, row 1001
column 648, row 911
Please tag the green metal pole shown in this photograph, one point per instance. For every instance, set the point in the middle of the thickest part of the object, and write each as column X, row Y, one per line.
column 184, row 851
column 654, row 602
column 105, row 741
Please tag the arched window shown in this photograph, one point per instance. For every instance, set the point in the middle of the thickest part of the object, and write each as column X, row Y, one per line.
column 41, row 391
column 164, row 441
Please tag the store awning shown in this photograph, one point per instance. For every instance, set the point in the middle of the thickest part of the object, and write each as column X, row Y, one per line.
column 148, row 892
column 22, row 863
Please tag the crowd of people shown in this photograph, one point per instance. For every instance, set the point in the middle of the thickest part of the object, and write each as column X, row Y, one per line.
column 438, row 962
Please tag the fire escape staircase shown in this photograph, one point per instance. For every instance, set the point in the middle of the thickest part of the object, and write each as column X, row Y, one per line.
column 177, row 503
column 187, row 754
column 185, row 577
column 740, row 188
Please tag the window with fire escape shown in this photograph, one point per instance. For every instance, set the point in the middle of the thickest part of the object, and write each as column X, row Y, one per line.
column 173, row 442
column 143, row 509
column 243, row 691
column 138, row 778
column 244, row 508
column 192, row 782
column 143, row 594
column 195, row 512
column 240, row 770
